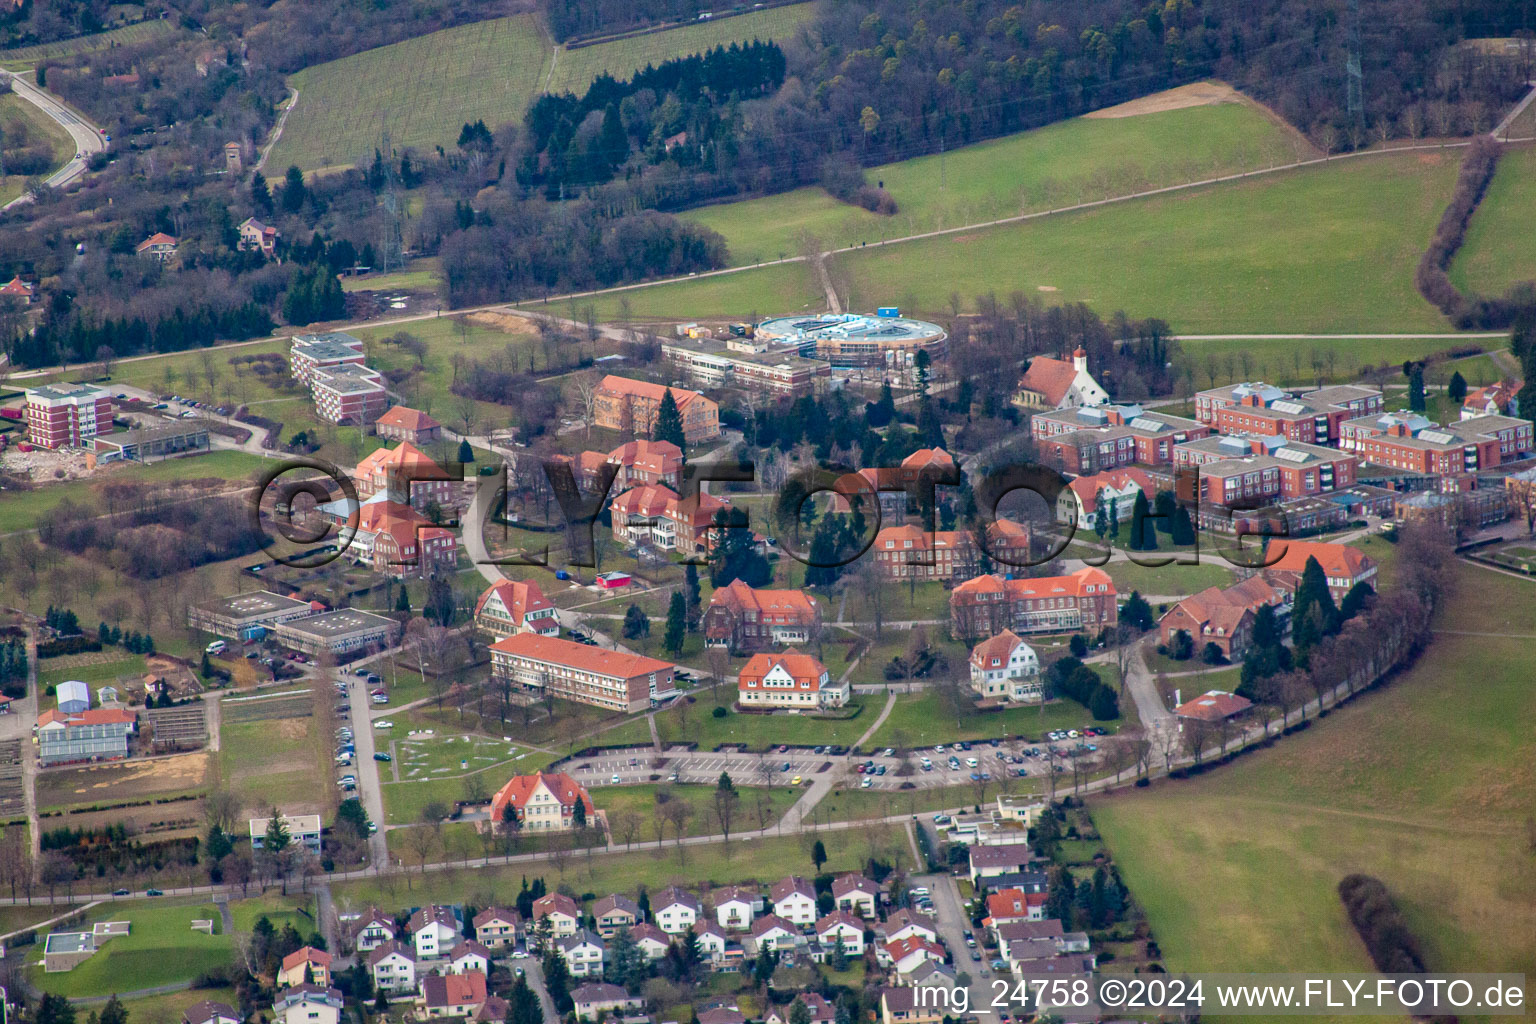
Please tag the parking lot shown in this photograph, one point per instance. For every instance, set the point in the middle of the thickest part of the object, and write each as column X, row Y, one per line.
column 886, row 770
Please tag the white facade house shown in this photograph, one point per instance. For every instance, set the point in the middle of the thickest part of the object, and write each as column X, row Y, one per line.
column 308, row 1004
column 794, row 899
column 675, row 911
column 840, row 924
column 1004, row 667
column 393, row 966
column 856, row 893
column 561, row 913
column 469, row 955
column 734, row 907
column 711, row 940
column 434, row 931
column 583, row 954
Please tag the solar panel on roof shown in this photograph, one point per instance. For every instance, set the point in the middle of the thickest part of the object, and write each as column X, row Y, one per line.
column 1437, row 437
column 1290, row 455
column 1146, row 423
column 1291, row 407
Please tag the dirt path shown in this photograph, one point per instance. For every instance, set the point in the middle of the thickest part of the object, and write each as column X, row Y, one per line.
column 277, row 129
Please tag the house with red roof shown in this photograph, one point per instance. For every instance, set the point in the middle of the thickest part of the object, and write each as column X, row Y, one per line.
column 451, row 995
column 1344, row 566
column 407, row 475
column 410, row 425
column 1501, row 399
column 541, row 802
column 1057, row 384
column 988, row 604
column 1116, row 488
column 1014, row 905
column 1006, row 668
column 1225, row 617
column 790, row 680
column 904, row 552
column 743, row 619
column 631, row 406
column 653, row 515
column 306, row 965
column 516, row 606
column 159, row 245
column 21, row 291
column 1213, row 706
column 589, row 675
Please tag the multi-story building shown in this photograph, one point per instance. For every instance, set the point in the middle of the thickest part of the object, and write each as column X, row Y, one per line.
column 743, row 619
column 516, row 606
column 1409, row 442
column 349, row 394
column 1115, row 488
column 1225, row 617
column 713, row 363
column 391, row 537
column 310, row 352
column 588, row 675
column 1094, row 439
column 1250, row 471
column 1004, row 667
column 907, row 552
column 1342, row 565
column 1311, row 417
column 405, row 424
column 630, row 406
column 256, row 236
column 159, row 246
column 67, row 415
column 22, row 292
column 654, row 515
column 855, row 339
column 247, row 615
column 408, row 475
column 339, row 633
column 647, row 462
column 987, row 605
column 96, row 734
column 542, row 802
column 789, row 680
column 303, row 830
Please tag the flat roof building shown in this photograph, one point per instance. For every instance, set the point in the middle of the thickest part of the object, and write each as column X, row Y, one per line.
column 855, row 339
column 246, row 615
column 348, row 394
column 303, row 829
column 67, row 415
column 310, row 352
column 340, row 632
column 711, row 363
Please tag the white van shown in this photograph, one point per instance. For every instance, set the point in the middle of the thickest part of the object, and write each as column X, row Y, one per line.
column 970, row 762
column 217, row 647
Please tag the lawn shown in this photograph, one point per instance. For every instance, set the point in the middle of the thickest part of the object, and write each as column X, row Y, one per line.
column 701, row 799
column 781, row 289
column 763, row 860
column 860, row 804
column 280, row 910
column 19, row 511
column 923, row 719
column 160, row 949
column 1292, row 363
column 575, row 69
column 421, row 91
column 1229, row 257
column 1500, row 249
column 275, row 761
column 422, row 275
column 1058, row 165
column 1426, row 784
column 24, row 124
column 696, row 723
column 1170, row 580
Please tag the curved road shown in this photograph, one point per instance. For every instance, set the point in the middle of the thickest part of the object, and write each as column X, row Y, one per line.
column 86, row 136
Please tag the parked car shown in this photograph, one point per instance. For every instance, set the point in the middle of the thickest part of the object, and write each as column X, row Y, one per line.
column 379, row 698
column 615, row 780
column 866, row 783
column 381, row 756
column 383, row 723
column 795, row 781
column 121, row 892
column 785, row 768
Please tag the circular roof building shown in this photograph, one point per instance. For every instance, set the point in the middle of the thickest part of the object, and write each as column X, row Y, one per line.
column 855, row 339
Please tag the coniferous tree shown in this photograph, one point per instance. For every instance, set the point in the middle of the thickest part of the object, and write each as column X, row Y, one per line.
column 1457, row 388
column 677, row 624
column 669, row 421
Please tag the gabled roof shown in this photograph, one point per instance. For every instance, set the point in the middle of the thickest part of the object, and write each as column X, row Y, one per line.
column 1010, row 903
column 615, row 902
column 1002, row 855
column 583, row 937
column 386, row 949
column 1010, row 930
column 372, row 916
column 673, row 895
column 555, row 903
column 91, row 716
column 999, row 648
column 306, row 954
column 734, row 894
column 405, row 418
column 469, row 947
column 836, row 918
column 207, row 1010
column 1049, row 378
column 1213, row 706
column 645, row 389
column 307, row 992
column 844, row 884
column 467, row 989
column 1071, row 585
column 767, row 923
column 433, row 913
column 404, row 455
column 158, row 238
column 645, row 930
column 740, row 597
column 899, row 949
column 793, row 884
column 1337, row 560
column 597, row 660
column 925, row 457
column 661, row 457
column 1087, row 488
column 493, row 914
column 598, row 992
column 518, row 597
column 801, row 667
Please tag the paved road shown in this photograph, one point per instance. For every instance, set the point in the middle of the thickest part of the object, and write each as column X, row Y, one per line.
column 952, row 924
column 367, row 768
column 85, row 135
column 1502, row 128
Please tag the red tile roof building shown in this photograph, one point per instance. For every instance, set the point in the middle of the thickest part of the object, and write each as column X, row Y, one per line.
column 588, row 675
column 159, row 245
column 406, row 474
column 987, row 605
column 743, row 619
column 1213, row 706
column 96, row 734
column 1344, row 566
column 67, row 415
column 654, row 515
column 647, row 462
column 516, row 606
column 1079, row 503
column 1014, row 905
column 789, row 680
column 541, row 802
column 396, row 540
column 452, row 995
column 1004, row 667
column 1501, row 399
column 1223, row 617
column 405, row 424
column 631, row 406
column 904, row 552
column 1057, row 384
column 22, row 291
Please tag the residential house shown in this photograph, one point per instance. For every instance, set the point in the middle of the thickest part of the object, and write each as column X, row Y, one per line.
column 451, row 995
column 854, row 892
column 303, row 830
column 583, row 953
column 1213, row 706
column 930, row 974
column 630, row 406
column 675, row 910
column 774, row 932
column 210, row 1012
column 159, row 246
column 907, row 552
column 1501, row 399
column 509, row 607
column 1115, row 489
column 722, row 1015
column 614, row 912
column 410, row 425
column 560, row 911
column 789, row 681
column 987, row 605
column 650, row 940
column 988, row 860
column 711, row 940
column 469, row 955
column 307, row 1004
column 735, row 906
column 371, row 930
column 393, row 966
column 1014, row 905
column 498, row 928
column 900, row 1005
column 1225, row 617
column 597, row 999
column 822, row 1012
column 1006, row 668
column 794, row 899
column 258, row 237
column 1057, row 384
column 905, row 955
column 745, row 620
column 434, row 929
column 542, row 802
column 902, row 923
column 306, row 965
column 841, row 925
column 21, row 291
column 589, row 675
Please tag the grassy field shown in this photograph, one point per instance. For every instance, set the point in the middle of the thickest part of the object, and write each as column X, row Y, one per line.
column 26, row 56
column 423, row 276
column 21, row 120
column 1427, row 785
column 696, row 723
column 1058, row 165
column 274, row 761
column 575, row 69
column 160, row 949
column 642, row 801
column 1290, row 363
column 922, row 720
column 1232, row 257
column 789, row 287
column 19, row 511
column 1499, row 249
column 422, row 91
column 1170, row 579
